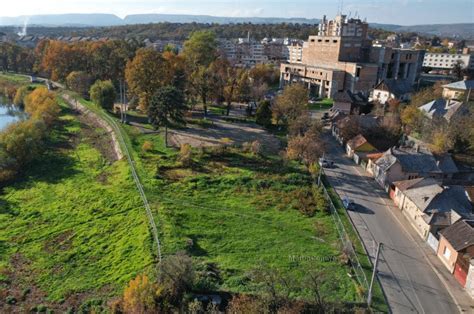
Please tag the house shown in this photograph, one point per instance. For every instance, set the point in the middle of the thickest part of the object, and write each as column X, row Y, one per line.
column 444, row 108
column 461, row 90
column 358, row 148
column 399, row 164
column 365, row 123
column 456, row 250
column 349, row 103
column 371, row 159
column 391, row 89
column 430, row 206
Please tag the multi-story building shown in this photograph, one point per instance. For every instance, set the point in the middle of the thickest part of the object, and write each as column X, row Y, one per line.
column 341, row 57
column 446, row 61
column 246, row 52
column 295, row 52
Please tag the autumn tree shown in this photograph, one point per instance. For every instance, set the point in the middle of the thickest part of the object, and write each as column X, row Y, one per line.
column 42, row 104
column 167, row 107
column 140, row 296
column 103, row 94
column 176, row 276
column 80, row 82
column 291, row 104
column 144, row 75
column 411, row 117
column 307, row 148
column 20, row 95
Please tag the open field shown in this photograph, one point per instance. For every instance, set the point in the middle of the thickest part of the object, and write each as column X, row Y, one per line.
column 73, row 229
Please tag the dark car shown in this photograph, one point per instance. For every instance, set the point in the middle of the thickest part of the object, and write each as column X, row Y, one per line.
column 348, row 203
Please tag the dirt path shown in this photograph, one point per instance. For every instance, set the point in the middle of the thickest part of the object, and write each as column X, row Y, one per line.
column 107, row 144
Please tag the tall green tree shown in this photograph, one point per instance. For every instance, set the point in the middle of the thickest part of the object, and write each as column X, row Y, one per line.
column 264, row 114
column 103, row 94
column 200, row 50
column 167, row 107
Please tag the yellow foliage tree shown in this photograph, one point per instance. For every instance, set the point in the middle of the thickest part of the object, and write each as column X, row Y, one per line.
column 42, row 104
column 140, row 296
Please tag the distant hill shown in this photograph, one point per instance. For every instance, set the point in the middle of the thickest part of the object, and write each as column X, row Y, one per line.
column 179, row 18
column 464, row 30
column 64, row 20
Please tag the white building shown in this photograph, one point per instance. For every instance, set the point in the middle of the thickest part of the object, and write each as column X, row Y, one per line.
column 447, row 60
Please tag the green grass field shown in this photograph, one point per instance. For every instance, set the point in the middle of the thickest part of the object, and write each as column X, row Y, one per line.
column 75, row 223
column 236, row 210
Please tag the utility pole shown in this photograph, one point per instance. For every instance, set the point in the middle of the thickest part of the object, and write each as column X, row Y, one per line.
column 320, row 170
column 369, row 296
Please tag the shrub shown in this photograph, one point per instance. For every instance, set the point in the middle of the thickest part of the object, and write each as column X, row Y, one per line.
column 304, row 202
column 11, row 300
column 147, row 146
column 186, row 154
column 256, row 148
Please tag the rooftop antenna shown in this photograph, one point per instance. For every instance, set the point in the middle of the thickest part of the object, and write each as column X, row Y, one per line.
column 341, row 5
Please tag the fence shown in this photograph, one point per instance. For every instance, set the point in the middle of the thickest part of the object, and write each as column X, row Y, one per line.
column 346, row 241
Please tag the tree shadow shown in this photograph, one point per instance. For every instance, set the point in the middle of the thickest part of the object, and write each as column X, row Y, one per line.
column 196, row 249
column 6, row 208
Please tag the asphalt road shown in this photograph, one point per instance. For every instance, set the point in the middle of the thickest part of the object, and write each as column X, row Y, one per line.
column 409, row 282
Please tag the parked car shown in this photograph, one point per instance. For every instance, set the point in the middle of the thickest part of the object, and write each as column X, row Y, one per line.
column 326, row 163
column 348, row 203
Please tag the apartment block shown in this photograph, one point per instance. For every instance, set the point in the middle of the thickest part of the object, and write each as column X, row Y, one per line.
column 446, row 61
column 341, row 57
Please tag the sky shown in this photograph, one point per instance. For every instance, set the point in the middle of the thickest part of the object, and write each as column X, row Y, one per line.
column 403, row 12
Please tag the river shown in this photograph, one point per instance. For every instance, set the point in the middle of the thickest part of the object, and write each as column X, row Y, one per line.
column 9, row 114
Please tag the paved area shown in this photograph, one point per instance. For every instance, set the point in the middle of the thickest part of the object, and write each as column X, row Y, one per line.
column 220, row 130
column 409, row 281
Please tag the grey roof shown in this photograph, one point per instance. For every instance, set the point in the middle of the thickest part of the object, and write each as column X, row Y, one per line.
column 434, row 199
column 414, row 161
column 443, row 108
column 446, row 164
column 462, row 85
column 442, row 218
column 460, row 235
column 397, row 87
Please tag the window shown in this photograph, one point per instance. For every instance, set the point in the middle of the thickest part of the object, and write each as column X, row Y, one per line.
column 446, row 253
column 358, row 72
column 319, row 40
column 312, row 40
column 334, row 41
column 327, row 40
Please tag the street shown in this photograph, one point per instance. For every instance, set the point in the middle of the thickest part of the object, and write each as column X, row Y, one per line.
column 408, row 281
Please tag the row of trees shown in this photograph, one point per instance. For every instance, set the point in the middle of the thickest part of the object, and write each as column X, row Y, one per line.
column 22, row 142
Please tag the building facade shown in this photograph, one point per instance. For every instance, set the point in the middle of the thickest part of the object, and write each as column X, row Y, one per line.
column 341, row 57
column 446, row 61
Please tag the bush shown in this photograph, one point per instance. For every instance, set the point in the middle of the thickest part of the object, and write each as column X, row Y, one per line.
column 186, row 155
column 147, row 146
column 256, row 148
column 11, row 300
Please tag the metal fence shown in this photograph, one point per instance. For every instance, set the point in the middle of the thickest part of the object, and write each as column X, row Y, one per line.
column 346, row 242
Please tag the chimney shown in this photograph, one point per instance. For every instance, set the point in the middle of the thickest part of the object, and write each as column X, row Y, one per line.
column 465, row 77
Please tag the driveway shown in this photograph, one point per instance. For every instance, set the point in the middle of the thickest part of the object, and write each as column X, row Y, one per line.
column 409, row 282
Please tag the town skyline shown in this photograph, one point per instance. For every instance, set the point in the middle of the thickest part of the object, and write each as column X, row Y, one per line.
column 400, row 12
